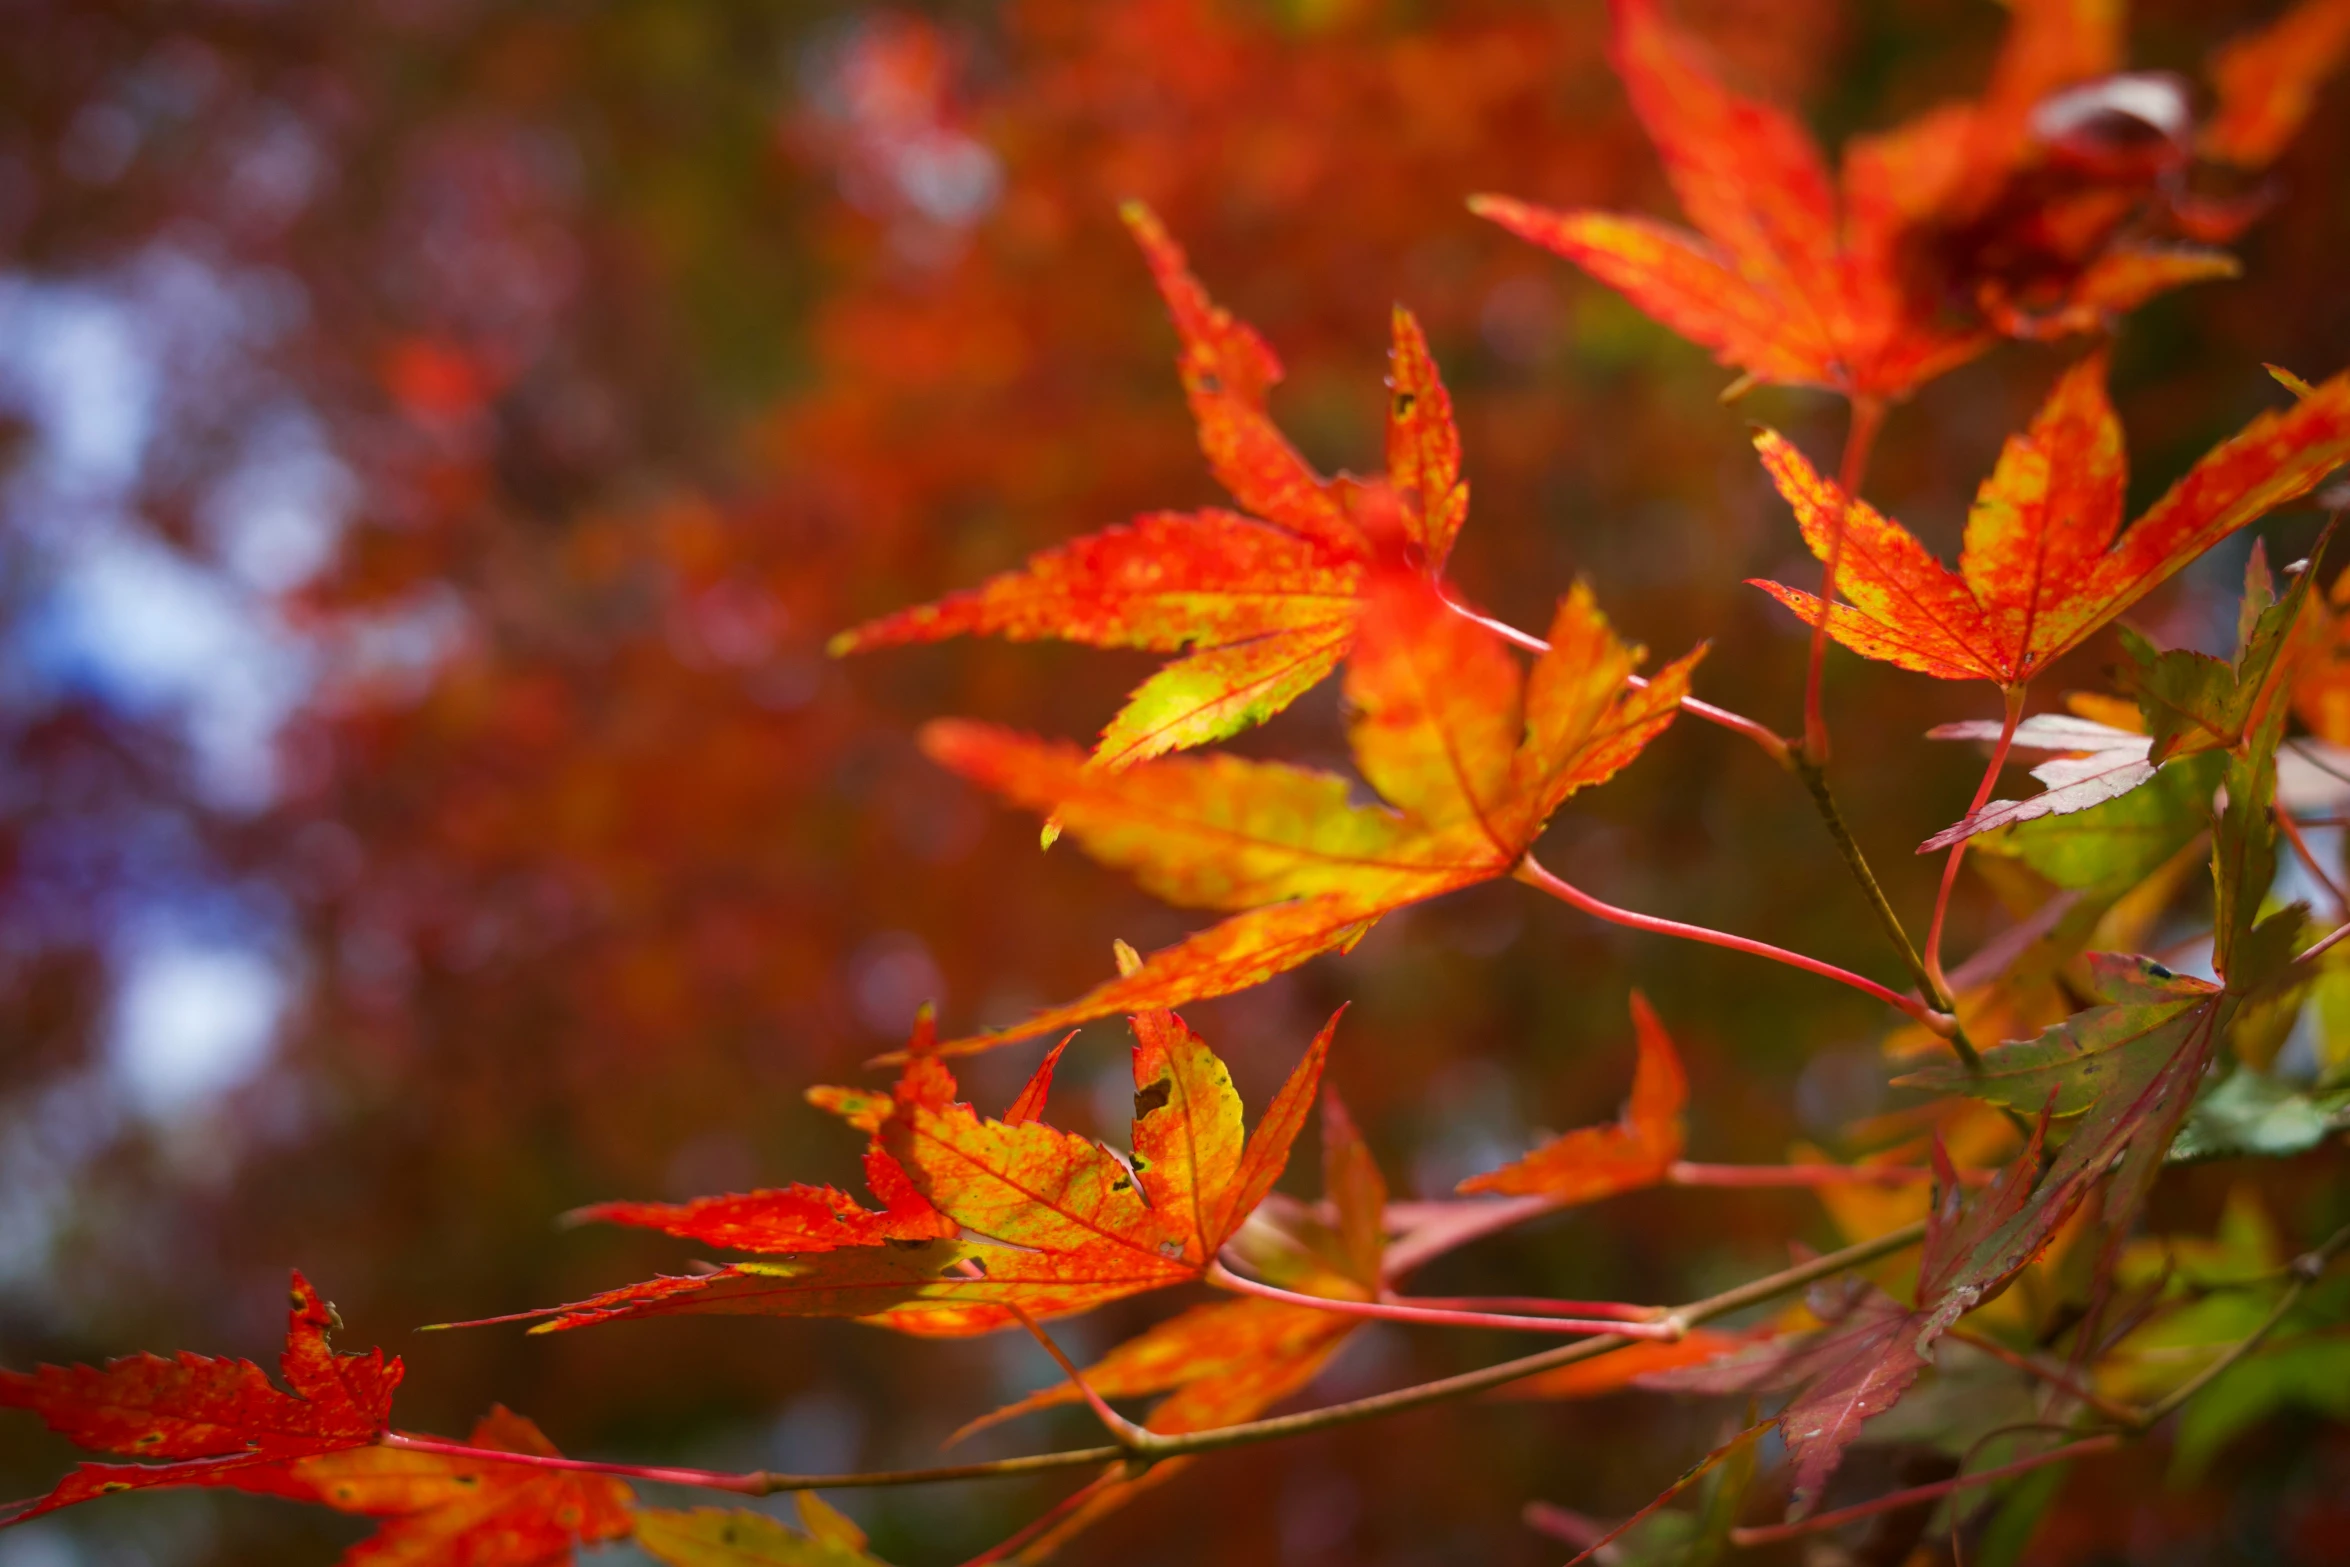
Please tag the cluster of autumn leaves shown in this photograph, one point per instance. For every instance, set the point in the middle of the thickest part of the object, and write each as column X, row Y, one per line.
column 2065, row 197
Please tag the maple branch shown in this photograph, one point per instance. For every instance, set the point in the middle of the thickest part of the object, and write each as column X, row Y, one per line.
column 2319, row 947
column 1754, row 1292
column 1683, row 1173
column 2013, row 715
column 2309, row 860
column 1533, row 1305
column 1646, row 1321
column 1736, row 723
column 760, row 1482
column 1815, row 779
column 1533, row 874
column 2305, row 1270
column 1868, row 415
column 1896, row 1501
column 2056, row 1377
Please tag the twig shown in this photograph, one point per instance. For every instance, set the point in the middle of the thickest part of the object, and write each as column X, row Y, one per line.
column 2309, row 860
column 1868, row 415
column 1898, row 1500
column 2056, row 1377
column 1533, row 874
column 1736, row 723
column 2012, row 716
column 1815, row 779
column 1467, row 1384
column 2304, row 1270
column 1645, row 1325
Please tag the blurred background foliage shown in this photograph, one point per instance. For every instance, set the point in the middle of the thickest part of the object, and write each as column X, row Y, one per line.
column 436, row 439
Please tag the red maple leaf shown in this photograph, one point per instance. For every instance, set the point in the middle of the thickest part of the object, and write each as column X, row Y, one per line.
column 2046, row 562
column 1263, row 602
column 219, row 1422
column 2033, row 212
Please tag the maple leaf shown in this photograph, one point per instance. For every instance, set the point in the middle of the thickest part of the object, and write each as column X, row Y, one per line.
column 1598, row 1161
column 1230, row 1361
column 737, row 1537
column 2095, row 763
column 2042, row 569
column 1474, row 755
column 219, row 1422
column 1037, row 1221
column 452, row 1511
column 1943, row 229
column 1264, row 605
column 2267, row 82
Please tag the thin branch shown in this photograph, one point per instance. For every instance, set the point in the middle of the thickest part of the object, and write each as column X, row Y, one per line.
column 1531, row 1305
column 1467, row 1384
column 2323, row 943
column 1898, row 1500
column 1683, row 1173
column 1532, row 873
column 1736, row 723
column 2055, row 1376
column 1815, row 779
column 760, row 1482
column 2305, row 1270
column 2309, row 861
column 1868, row 415
column 1437, row 1316
column 2014, row 714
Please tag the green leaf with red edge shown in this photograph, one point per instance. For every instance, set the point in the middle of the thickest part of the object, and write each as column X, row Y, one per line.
column 215, row 1420
column 1473, row 756
column 470, row 1511
column 1598, row 1161
column 1263, row 605
column 1043, row 1222
column 2042, row 569
column 737, row 1537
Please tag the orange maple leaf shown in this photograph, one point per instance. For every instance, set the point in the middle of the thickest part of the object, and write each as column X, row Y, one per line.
column 2267, row 82
column 2042, row 569
column 220, row 1422
column 1474, row 755
column 1036, row 1221
column 470, row 1510
column 2005, row 215
column 1592, row 1162
column 1230, row 1361
column 1263, row 605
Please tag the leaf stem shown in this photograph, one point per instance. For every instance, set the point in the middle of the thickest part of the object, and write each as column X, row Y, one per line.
column 1533, row 874
column 2305, row 1270
column 1860, row 437
column 1684, row 1173
column 1815, row 779
column 1736, row 723
column 1128, row 1435
column 2056, row 1377
column 2013, row 715
column 1898, row 1500
column 1650, row 1327
column 1755, row 1292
